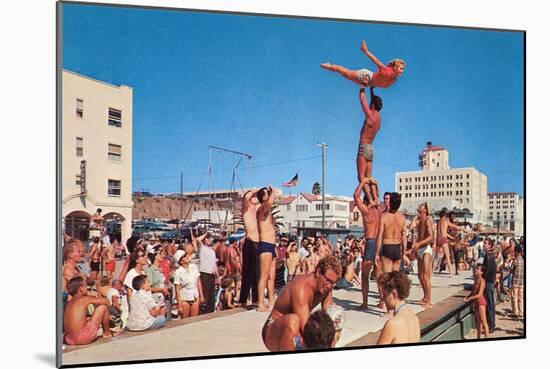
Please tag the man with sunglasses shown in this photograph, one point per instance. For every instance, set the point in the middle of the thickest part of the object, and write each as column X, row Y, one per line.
column 283, row 330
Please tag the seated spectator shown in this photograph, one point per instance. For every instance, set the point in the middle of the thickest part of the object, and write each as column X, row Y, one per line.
column 145, row 313
column 114, row 295
column 78, row 328
column 349, row 277
column 227, row 295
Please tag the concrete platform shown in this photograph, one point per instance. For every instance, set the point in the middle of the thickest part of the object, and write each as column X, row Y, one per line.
column 238, row 331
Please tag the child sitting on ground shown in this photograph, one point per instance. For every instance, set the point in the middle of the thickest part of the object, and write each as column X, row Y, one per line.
column 227, row 296
column 78, row 328
column 385, row 76
column 145, row 313
column 114, row 295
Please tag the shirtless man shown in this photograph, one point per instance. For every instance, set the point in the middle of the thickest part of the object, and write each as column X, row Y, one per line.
column 324, row 248
column 293, row 261
column 73, row 251
column 349, row 277
column 109, row 262
column 249, row 279
column 443, row 236
column 311, row 260
column 404, row 326
column 371, row 220
column 392, row 236
column 386, row 206
column 266, row 247
column 365, row 155
column 283, row 329
column 94, row 258
column 423, row 247
column 96, row 224
column 78, row 329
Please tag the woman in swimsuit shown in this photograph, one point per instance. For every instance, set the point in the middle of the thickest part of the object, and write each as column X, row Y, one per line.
column 480, row 302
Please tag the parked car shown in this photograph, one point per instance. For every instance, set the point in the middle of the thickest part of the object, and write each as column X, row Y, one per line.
column 157, row 230
column 169, row 235
column 139, row 230
column 237, row 236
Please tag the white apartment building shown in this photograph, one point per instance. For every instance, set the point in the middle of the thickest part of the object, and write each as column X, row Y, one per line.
column 96, row 153
column 442, row 186
column 506, row 208
column 305, row 210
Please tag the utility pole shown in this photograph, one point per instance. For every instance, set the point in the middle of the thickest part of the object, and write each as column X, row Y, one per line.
column 181, row 204
column 323, row 148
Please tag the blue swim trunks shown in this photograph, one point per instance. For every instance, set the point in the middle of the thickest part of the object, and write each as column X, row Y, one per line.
column 370, row 249
column 265, row 247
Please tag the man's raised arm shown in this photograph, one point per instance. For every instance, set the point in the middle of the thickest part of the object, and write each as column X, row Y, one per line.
column 364, row 104
column 370, row 55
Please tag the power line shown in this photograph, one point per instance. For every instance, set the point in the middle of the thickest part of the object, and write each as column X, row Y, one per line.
column 230, row 170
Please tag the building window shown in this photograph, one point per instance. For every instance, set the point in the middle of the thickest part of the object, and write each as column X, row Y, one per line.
column 301, row 207
column 355, row 216
column 79, row 146
column 467, row 176
column 115, row 152
column 79, row 108
column 288, row 207
column 113, row 187
column 115, row 117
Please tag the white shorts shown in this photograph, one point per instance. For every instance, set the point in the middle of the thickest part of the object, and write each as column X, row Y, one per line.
column 424, row 250
column 364, row 75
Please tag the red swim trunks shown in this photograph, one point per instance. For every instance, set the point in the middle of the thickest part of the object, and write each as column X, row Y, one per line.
column 441, row 241
column 86, row 335
column 110, row 266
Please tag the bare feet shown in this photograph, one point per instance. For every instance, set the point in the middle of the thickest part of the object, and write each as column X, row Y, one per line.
column 262, row 308
column 107, row 334
column 423, row 301
column 427, row 305
column 380, row 305
column 363, row 307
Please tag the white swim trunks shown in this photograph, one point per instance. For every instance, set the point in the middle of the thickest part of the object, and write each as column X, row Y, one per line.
column 424, row 250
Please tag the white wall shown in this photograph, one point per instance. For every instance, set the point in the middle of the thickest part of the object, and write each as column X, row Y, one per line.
column 93, row 127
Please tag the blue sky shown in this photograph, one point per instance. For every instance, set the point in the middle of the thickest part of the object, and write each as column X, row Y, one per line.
column 254, row 85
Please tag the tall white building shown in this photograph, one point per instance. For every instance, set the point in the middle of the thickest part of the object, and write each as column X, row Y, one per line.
column 506, row 208
column 96, row 153
column 442, row 186
column 305, row 210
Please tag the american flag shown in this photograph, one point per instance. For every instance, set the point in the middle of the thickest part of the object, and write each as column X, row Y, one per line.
column 293, row 182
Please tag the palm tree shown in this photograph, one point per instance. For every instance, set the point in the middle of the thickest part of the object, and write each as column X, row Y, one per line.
column 316, row 190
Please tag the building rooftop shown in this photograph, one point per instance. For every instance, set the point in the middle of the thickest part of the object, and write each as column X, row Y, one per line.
column 95, row 80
